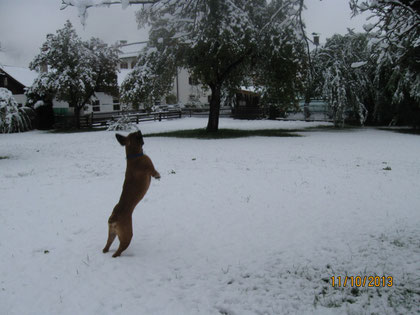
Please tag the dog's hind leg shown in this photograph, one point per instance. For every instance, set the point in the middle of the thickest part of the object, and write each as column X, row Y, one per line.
column 123, row 246
column 124, row 235
column 111, row 236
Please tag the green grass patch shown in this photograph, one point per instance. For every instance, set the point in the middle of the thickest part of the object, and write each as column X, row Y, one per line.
column 225, row 133
column 332, row 128
column 4, row 157
column 75, row 130
column 410, row 131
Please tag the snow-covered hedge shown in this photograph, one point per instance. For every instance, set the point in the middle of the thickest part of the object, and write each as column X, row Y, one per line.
column 12, row 118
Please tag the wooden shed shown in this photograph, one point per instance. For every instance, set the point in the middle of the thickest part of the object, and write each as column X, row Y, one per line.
column 247, row 105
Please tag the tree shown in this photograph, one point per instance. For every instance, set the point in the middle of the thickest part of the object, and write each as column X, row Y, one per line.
column 345, row 83
column 12, row 118
column 75, row 69
column 395, row 37
column 223, row 44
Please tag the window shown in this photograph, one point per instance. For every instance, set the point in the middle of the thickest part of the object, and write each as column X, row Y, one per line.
column 5, row 82
column 133, row 64
column 96, row 105
column 124, row 65
column 116, row 107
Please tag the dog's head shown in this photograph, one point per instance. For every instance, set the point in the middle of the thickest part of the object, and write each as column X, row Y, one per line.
column 134, row 139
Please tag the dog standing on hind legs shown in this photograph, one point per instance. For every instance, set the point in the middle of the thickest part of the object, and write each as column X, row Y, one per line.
column 138, row 175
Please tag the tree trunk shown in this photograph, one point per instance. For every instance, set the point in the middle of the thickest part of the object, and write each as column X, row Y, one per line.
column 213, row 123
column 77, row 111
column 306, row 111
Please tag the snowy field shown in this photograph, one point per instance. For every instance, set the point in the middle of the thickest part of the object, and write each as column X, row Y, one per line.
column 235, row 226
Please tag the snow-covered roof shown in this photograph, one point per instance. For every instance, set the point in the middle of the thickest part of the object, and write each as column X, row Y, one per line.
column 26, row 76
column 131, row 50
column 250, row 89
column 23, row 75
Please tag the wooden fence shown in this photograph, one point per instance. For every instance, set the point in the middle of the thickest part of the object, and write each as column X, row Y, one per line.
column 225, row 111
column 96, row 119
column 102, row 119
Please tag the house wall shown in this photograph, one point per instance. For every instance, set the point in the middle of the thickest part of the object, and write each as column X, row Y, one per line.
column 20, row 99
column 104, row 102
column 189, row 94
column 17, row 89
column 129, row 61
column 8, row 82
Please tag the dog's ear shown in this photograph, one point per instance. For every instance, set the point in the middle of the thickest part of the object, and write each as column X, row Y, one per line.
column 121, row 139
column 140, row 137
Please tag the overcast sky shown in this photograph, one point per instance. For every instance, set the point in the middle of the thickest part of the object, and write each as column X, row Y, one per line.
column 25, row 23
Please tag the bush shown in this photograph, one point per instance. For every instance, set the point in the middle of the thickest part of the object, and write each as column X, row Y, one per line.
column 12, row 118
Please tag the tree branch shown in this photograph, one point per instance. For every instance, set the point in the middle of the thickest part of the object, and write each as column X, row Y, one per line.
column 67, row 3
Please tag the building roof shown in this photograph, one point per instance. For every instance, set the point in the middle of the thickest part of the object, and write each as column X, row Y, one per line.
column 131, row 50
column 250, row 90
column 24, row 76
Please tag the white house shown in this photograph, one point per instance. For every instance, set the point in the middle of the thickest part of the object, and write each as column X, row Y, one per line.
column 185, row 90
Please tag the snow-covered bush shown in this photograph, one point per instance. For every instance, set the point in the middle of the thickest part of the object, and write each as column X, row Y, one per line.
column 123, row 123
column 12, row 118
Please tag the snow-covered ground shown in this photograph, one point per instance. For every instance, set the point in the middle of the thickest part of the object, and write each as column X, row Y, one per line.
column 235, row 226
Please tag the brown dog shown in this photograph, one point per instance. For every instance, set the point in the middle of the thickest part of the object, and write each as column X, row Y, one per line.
column 137, row 181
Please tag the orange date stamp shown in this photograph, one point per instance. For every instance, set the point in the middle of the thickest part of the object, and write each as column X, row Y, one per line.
column 362, row 281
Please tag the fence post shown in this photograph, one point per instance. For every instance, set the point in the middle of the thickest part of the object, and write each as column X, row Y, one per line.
column 91, row 120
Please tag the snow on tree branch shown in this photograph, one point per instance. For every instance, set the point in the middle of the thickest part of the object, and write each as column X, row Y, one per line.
column 83, row 5
column 396, row 35
column 396, row 19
